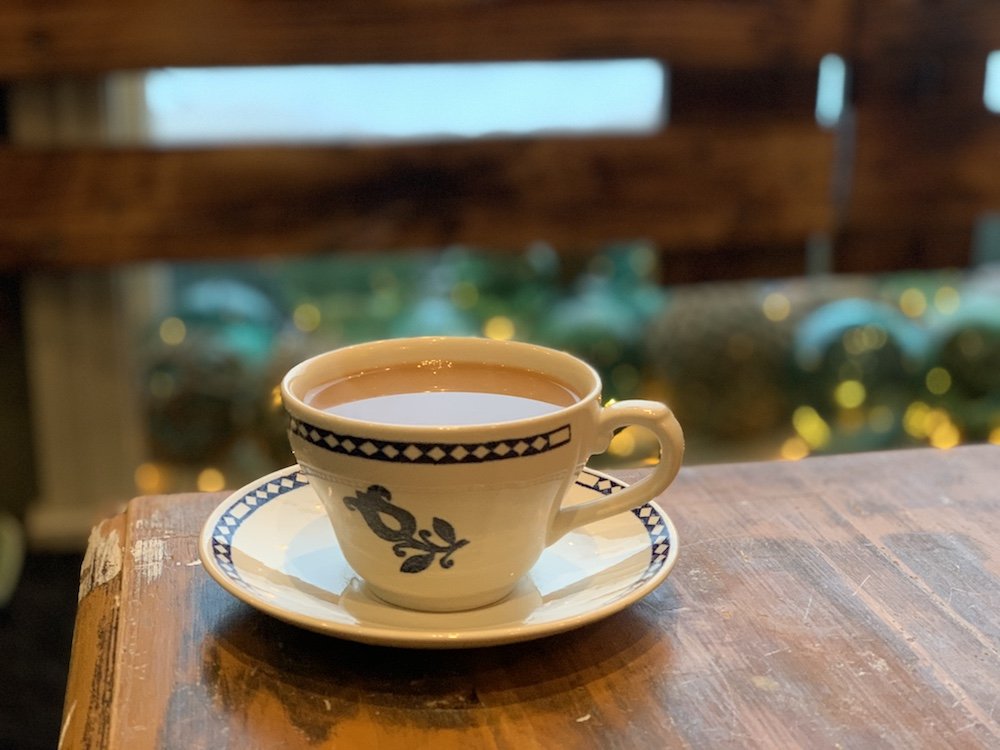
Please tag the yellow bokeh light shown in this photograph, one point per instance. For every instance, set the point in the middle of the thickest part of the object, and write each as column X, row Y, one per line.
column 994, row 436
column 850, row 394
column 938, row 381
column 945, row 435
column 913, row 303
column 915, row 419
column 464, row 295
column 149, row 478
column 811, row 427
column 276, row 397
column 172, row 331
column 777, row 307
column 622, row 444
column 864, row 339
column 211, row 479
column 794, row 449
column 947, row 300
column 853, row 341
column 499, row 327
column 307, row 317
column 923, row 422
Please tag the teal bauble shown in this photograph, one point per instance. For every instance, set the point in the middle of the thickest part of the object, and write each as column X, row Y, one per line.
column 201, row 378
column 724, row 362
column 196, row 400
column 858, row 364
column 963, row 376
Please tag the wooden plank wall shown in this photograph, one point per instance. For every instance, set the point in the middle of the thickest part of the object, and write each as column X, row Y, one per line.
column 926, row 159
column 734, row 186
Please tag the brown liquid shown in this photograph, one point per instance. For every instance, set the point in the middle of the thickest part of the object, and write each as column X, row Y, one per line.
column 442, row 393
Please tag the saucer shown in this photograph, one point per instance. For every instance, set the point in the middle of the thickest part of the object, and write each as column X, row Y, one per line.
column 271, row 545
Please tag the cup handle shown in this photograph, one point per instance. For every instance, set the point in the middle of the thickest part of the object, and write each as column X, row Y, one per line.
column 660, row 420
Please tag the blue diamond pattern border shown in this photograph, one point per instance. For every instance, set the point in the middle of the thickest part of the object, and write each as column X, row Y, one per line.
column 228, row 523
column 240, row 510
column 430, row 453
column 659, row 535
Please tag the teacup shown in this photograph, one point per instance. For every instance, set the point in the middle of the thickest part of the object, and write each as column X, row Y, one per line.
column 442, row 462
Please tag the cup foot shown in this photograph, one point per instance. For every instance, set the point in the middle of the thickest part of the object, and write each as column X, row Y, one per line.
column 440, row 604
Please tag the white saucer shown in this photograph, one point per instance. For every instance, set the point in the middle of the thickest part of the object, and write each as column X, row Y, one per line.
column 271, row 545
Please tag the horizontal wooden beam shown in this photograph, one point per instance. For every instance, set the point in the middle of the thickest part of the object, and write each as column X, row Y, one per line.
column 903, row 248
column 916, row 176
column 41, row 39
column 690, row 188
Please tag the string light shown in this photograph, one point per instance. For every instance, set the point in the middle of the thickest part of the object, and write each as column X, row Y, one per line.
column 172, row 331
column 938, row 381
column 776, row 307
column 850, row 394
column 947, row 300
column 149, row 478
column 811, row 427
column 913, row 303
column 306, row 317
column 945, row 435
column 211, row 479
column 794, row 449
column 499, row 327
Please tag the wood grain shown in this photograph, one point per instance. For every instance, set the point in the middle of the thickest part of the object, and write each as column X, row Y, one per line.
column 690, row 188
column 924, row 156
column 911, row 173
column 71, row 36
column 837, row 602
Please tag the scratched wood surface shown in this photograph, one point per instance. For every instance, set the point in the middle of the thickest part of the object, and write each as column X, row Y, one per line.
column 837, row 602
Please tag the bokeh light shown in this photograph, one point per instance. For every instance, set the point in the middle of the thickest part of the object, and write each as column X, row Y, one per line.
column 938, row 381
column 172, row 331
column 499, row 327
column 794, row 449
column 777, row 307
column 947, row 300
column 211, row 479
column 913, row 302
column 307, row 317
column 811, row 427
column 850, row 394
column 150, row 479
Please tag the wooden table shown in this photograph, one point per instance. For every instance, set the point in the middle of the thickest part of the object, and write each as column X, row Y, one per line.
column 850, row 601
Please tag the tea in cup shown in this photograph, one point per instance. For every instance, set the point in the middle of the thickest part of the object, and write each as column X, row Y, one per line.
column 442, row 461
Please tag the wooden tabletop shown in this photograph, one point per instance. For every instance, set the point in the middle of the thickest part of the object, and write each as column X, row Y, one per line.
column 850, row 601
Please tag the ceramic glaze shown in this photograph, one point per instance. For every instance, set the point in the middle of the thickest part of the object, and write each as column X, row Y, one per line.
column 451, row 517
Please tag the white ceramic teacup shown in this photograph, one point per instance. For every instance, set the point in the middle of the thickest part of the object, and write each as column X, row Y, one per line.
column 442, row 509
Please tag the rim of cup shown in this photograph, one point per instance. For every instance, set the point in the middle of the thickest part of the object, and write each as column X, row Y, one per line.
column 567, row 369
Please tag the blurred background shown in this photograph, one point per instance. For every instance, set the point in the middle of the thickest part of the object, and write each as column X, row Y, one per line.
column 782, row 218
